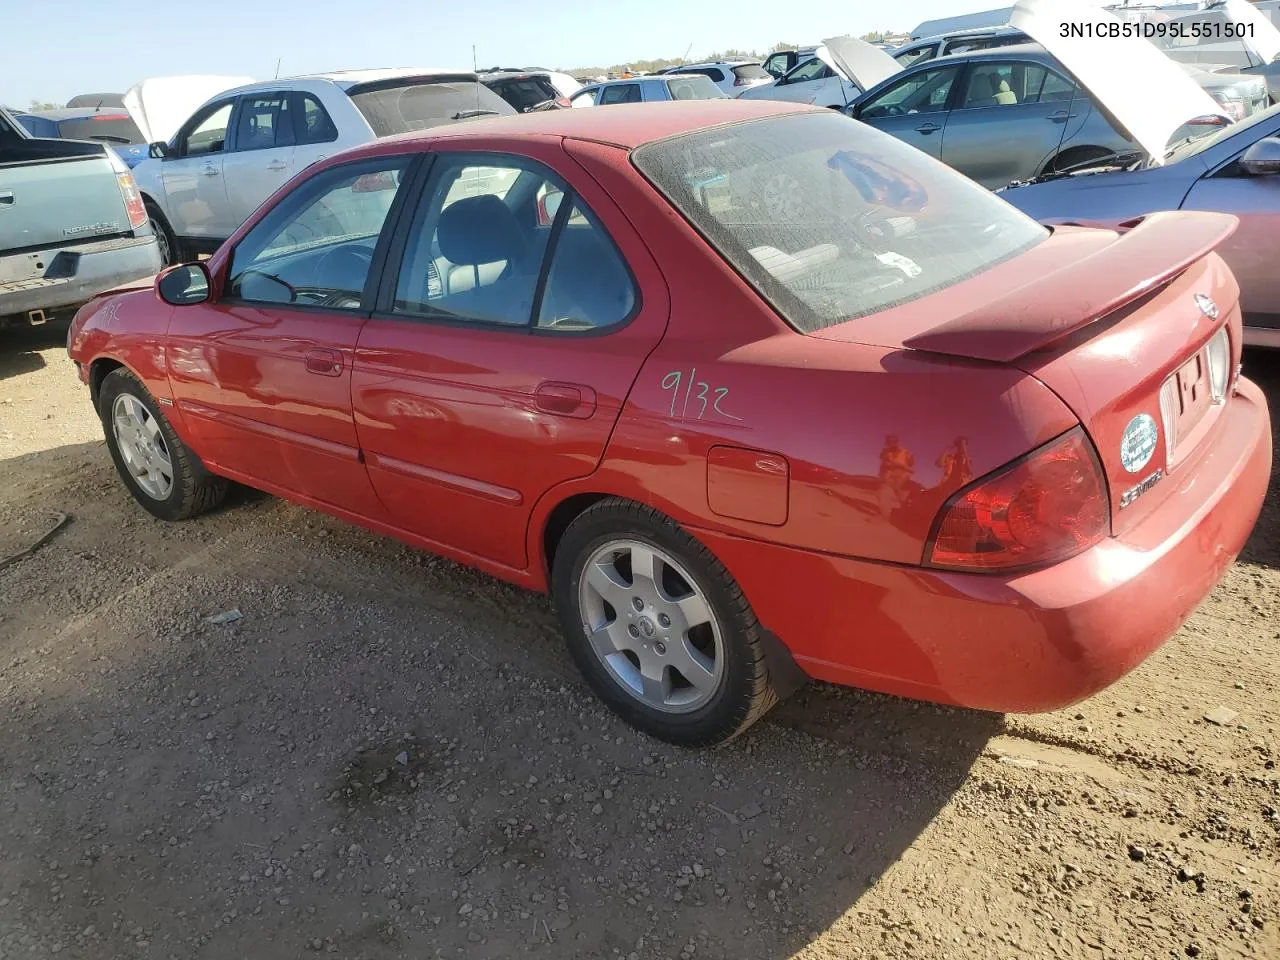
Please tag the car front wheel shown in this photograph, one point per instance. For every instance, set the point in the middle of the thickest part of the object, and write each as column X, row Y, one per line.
column 658, row 627
column 161, row 472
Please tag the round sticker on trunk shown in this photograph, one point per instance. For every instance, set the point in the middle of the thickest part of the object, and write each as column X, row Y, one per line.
column 1138, row 442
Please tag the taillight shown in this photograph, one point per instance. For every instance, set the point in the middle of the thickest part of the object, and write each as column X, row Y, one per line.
column 739, row 82
column 1046, row 507
column 1232, row 107
column 133, row 204
column 563, row 102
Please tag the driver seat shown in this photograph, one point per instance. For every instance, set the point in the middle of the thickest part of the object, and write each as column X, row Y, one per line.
column 487, row 250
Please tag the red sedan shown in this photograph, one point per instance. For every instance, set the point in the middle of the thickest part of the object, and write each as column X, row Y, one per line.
column 754, row 391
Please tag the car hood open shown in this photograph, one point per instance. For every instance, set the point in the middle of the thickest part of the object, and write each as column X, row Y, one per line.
column 857, row 61
column 159, row 105
column 1261, row 35
column 1149, row 94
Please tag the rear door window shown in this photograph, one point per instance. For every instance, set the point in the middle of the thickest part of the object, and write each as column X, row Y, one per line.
column 264, row 122
column 620, row 93
column 402, row 106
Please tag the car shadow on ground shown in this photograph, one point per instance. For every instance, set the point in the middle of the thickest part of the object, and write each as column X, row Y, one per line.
column 1263, row 546
column 383, row 738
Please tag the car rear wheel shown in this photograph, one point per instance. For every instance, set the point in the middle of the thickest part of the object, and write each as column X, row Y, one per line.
column 658, row 627
column 163, row 475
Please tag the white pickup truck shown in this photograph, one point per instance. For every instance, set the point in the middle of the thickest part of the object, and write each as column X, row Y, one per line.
column 243, row 144
column 72, row 225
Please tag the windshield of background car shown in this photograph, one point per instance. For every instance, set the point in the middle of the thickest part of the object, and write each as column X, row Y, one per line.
column 693, row 88
column 111, row 129
column 418, row 105
column 1241, row 129
column 831, row 220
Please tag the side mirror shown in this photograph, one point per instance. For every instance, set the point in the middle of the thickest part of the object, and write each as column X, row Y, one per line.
column 158, row 150
column 1263, row 158
column 185, row 284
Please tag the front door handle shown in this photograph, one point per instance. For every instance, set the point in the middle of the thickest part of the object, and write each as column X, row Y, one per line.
column 6, row 200
column 211, row 171
column 1059, row 116
column 276, row 165
column 929, row 127
column 565, row 399
column 325, row 363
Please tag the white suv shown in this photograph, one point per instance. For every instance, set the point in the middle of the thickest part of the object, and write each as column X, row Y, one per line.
column 733, row 77
column 238, row 148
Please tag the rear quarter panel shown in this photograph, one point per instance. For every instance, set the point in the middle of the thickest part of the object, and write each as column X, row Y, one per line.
column 874, row 439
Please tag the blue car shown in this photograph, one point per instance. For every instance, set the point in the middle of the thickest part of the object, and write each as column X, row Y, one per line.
column 110, row 125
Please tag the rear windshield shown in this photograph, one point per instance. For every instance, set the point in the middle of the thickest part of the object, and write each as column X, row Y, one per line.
column 752, row 71
column 525, row 92
column 115, row 128
column 830, row 219
column 417, row 105
column 693, row 88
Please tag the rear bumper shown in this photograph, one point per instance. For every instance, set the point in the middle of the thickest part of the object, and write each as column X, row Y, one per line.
column 1030, row 642
column 76, row 274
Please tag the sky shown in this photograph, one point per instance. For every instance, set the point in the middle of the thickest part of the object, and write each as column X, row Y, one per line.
column 101, row 47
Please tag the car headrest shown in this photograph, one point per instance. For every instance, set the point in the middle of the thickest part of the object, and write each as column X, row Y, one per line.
column 477, row 230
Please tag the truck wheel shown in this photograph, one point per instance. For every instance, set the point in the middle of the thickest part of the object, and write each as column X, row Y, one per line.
column 658, row 627
column 161, row 472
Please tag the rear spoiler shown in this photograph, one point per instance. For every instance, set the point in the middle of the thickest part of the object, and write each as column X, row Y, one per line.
column 1047, row 308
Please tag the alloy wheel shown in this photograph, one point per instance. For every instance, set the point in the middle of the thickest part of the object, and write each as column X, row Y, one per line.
column 142, row 447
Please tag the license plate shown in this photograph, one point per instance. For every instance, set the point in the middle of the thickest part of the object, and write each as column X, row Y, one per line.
column 1194, row 395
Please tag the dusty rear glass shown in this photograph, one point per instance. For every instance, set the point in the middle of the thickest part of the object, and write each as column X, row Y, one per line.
column 393, row 107
column 111, row 129
column 830, row 219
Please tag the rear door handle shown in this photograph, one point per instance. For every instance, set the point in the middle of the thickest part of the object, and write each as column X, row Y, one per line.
column 276, row 165
column 325, row 363
column 7, row 199
column 929, row 127
column 1059, row 116
column 565, row 399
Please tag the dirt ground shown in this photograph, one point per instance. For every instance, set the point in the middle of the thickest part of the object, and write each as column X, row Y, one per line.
column 388, row 755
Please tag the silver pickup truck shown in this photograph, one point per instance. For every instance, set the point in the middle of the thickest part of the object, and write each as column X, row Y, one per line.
column 72, row 225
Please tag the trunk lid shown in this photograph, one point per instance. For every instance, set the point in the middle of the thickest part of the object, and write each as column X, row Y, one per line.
column 57, row 193
column 1109, row 322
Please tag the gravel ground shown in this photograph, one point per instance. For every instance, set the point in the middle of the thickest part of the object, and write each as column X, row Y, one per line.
column 387, row 755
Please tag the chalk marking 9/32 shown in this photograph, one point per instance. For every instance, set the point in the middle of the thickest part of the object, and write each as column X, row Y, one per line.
column 673, row 380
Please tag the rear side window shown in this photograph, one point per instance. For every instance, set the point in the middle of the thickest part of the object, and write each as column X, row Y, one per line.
column 833, row 220
column 751, row 71
column 38, row 126
column 693, row 88
column 588, row 286
column 311, row 120
column 264, row 122
column 393, row 107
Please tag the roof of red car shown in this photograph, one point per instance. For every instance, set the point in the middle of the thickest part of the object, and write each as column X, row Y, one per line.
column 625, row 125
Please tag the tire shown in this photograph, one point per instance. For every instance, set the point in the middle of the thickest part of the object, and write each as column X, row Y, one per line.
column 171, row 250
column 724, row 655
column 190, row 488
